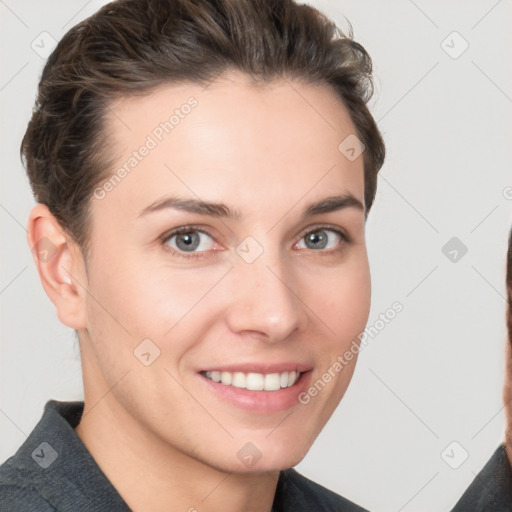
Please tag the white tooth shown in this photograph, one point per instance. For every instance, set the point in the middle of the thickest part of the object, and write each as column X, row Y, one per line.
column 272, row 382
column 238, row 380
column 226, row 378
column 255, row 381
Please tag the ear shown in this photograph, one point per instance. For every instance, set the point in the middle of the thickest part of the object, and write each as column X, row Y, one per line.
column 60, row 265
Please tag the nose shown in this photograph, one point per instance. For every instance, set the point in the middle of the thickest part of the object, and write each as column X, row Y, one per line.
column 265, row 300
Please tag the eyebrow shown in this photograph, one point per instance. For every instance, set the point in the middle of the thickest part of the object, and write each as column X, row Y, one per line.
column 221, row 210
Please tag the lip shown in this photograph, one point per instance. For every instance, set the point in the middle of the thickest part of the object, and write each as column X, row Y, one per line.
column 260, row 367
column 262, row 402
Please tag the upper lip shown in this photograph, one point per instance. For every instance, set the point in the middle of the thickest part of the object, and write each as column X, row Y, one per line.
column 260, row 367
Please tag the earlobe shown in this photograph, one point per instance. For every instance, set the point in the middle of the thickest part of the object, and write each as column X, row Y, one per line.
column 60, row 266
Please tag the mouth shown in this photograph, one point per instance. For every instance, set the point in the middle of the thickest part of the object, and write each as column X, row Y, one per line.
column 268, row 391
column 254, row 381
column 262, row 388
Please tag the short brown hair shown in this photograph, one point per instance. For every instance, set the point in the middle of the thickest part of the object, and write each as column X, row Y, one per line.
column 133, row 46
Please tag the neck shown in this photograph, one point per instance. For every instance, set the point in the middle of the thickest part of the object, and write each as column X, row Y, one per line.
column 152, row 476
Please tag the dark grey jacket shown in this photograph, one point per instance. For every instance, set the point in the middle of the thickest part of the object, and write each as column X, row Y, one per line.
column 491, row 490
column 54, row 471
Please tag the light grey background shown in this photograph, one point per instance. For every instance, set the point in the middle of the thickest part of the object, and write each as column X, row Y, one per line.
column 433, row 375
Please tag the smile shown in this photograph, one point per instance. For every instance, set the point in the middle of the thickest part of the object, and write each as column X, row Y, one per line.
column 254, row 381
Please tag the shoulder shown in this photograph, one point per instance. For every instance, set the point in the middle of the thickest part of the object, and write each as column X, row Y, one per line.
column 17, row 493
column 30, row 479
column 491, row 490
column 298, row 493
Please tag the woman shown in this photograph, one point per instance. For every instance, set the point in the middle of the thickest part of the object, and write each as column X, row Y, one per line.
column 203, row 173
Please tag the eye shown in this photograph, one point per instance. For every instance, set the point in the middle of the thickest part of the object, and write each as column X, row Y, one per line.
column 189, row 240
column 192, row 242
column 322, row 238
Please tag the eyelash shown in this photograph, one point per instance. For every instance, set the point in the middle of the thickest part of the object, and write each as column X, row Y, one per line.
column 194, row 255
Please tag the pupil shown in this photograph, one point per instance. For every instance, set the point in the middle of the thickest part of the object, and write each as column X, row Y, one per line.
column 189, row 241
column 318, row 239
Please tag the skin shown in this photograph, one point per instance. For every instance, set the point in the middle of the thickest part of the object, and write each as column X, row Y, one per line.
column 268, row 152
column 507, row 387
column 507, row 398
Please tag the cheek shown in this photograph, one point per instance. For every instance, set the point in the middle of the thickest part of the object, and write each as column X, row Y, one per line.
column 342, row 300
column 155, row 300
column 150, row 300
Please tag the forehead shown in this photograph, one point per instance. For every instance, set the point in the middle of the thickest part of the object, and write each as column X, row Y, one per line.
column 234, row 138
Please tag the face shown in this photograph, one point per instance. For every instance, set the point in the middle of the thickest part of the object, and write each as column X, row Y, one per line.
column 228, row 270
column 507, row 388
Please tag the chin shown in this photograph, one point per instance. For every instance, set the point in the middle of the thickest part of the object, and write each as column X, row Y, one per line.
column 277, row 458
column 256, row 458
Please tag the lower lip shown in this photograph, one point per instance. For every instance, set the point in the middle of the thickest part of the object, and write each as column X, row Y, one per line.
column 261, row 401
